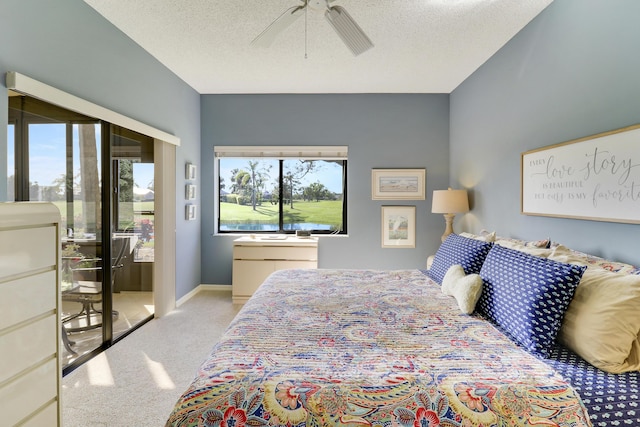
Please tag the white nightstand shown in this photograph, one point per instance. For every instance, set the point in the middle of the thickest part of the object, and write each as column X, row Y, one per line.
column 256, row 258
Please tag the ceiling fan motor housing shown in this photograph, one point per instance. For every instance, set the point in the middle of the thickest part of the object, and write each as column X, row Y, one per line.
column 318, row 4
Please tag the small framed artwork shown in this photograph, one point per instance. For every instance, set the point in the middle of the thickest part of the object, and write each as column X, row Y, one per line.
column 398, row 226
column 190, row 171
column 190, row 212
column 190, row 192
column 398, row 184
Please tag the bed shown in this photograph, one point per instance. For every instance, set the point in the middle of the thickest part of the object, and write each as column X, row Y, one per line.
column 377, row 348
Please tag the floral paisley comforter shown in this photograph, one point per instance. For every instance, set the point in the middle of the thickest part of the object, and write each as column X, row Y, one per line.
column 369, row 348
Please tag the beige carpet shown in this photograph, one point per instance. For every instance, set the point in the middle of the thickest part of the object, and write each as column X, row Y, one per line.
column 137, row 381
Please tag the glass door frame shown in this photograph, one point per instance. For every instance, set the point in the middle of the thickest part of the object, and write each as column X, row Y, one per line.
column 107, row 218
column 22, row 193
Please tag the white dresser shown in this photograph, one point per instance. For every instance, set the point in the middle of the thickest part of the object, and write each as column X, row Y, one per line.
column 256, row 258
column 30, row 371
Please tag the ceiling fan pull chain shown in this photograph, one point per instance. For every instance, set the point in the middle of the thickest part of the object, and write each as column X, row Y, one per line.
column 306, row 9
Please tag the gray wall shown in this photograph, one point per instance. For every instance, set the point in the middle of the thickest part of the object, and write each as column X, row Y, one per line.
column 573, row 72
column 68, row 45
column 382, row 131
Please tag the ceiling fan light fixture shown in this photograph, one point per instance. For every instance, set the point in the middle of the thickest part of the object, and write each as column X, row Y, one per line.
column 348, row 30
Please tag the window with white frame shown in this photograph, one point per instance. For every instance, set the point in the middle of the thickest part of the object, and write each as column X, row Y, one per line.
column 281, row 189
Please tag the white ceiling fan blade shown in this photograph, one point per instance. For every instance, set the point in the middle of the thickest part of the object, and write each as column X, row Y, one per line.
column 350, row 32
column 267, row 37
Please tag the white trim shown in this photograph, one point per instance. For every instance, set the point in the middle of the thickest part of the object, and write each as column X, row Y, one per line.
column 164, row 267
column 188, row 296
column 28, row 86
column 310, row 152
column 215, row 288
column 202, row 288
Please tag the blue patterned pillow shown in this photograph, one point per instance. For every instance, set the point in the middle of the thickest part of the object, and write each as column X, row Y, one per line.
column 469, row 253
column 527, row 295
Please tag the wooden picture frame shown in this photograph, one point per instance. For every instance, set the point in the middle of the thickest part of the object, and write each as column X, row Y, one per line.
column 398, row 184
column 398, row 226
column 594, row 178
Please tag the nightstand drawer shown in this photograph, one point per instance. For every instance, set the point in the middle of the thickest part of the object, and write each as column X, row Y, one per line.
column 275, row 253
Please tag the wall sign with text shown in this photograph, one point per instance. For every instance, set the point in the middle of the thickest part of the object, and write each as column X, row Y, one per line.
column 595, row 178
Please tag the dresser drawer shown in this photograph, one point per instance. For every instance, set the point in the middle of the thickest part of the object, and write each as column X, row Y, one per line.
column 46, row 418
column 26, row 298
column 248, row 275
column 22, row 251
column 27, row 346
column 35, row 389
column 289, row 264
column 275, row 253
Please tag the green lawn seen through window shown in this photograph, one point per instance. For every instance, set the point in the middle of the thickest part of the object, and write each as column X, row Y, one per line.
column 325, row 212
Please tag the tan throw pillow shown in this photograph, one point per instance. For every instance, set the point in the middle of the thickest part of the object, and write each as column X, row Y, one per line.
column 602, row 323
column 512, row 243
column 564, row 254
column 531, row 250
column 465, row 288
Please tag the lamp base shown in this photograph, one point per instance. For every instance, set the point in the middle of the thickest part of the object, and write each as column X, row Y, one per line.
column 448, row 218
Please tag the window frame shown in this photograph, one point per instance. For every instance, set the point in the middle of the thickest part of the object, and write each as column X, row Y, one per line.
column 281, row 153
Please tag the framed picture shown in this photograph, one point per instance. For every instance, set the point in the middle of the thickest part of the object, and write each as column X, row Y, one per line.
column 398, row 226
column 190, row 192
column 190, row 171
column 594, row 178
column 398, row 184
column 190, row 212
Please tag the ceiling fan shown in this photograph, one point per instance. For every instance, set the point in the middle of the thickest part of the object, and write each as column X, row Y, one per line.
column 343, row 24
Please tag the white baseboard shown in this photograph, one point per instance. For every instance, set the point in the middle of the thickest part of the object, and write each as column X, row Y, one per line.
column 225, row 288
column 200, row 288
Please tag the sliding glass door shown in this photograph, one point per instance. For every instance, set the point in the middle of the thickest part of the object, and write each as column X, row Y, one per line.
column 132, row 246
column 100, row 176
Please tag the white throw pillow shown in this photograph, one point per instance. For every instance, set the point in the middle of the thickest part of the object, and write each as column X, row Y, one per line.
column 465, row 288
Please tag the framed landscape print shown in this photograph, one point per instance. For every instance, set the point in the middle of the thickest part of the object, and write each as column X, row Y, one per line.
column 398, row 226
column 398, row 184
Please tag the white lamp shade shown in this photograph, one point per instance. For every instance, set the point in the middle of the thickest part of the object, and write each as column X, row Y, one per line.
column 450, row 201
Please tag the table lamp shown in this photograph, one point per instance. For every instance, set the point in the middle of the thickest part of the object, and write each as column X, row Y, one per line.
column 449, row 202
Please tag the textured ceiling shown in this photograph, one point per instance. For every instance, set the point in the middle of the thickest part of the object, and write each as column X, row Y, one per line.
column 421, row 46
